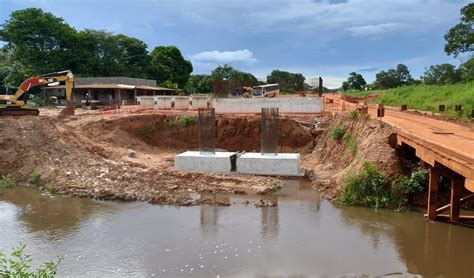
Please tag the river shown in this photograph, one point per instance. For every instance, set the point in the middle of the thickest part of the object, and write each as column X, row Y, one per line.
column 304, row 236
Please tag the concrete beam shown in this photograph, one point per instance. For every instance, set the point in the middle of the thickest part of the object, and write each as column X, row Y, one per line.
column 193, row 161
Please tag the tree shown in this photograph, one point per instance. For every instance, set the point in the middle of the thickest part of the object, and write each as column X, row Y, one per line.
column 393, row 78
column 442, row 74
column 355, row 81
column 198, row 84
column 227, row 72
column 460, row 38
column 467, row 70
column 167, row 63
column 289, row 82
column 39, row 40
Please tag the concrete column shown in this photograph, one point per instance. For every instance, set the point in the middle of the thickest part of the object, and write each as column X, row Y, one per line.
column 456, row 190
column 433, row 193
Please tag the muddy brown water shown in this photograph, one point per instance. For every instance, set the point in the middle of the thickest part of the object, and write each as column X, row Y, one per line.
column 304, row 236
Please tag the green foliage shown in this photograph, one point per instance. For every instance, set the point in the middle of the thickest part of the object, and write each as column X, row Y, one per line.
column 7, row 182
column 167, row 63
column 187, row 121
column 288, row 82
column 38, row 99
column 169, row 84
column 467, row 70
column 429, row 97
column 366, row 188
column 355, row 81
column 238, row 78
column 18, row 264
column 35, row 176
column 50, row 188
column 460, row 38
column 199, row 84
column 146, row 130
column 351, row 143
column 393, row 78
column 405, row 188
column 352, row 114
column 38, row 42
column 337, row 133
column 172, row 124
column 442, row 74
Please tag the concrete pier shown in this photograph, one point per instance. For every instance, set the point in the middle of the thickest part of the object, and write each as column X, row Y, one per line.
column 194, row 161
column 283, row 164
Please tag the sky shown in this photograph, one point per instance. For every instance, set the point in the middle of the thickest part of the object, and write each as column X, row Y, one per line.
column 328, row 38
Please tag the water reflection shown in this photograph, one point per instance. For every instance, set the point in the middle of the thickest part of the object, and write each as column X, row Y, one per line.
column 57, row 216
column 427, row 248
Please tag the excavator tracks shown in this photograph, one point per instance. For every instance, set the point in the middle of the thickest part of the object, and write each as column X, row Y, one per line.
column 18, row 112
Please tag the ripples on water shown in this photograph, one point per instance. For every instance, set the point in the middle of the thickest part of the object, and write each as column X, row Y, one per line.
column 303, row 236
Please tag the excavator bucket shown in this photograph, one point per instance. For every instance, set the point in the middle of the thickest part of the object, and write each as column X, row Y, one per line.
column 68, row 111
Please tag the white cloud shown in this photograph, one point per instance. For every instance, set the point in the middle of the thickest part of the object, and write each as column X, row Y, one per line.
column 238, row 56
column 374, row 29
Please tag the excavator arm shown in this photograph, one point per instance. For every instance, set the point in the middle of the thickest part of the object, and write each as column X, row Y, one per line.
column 13, row 105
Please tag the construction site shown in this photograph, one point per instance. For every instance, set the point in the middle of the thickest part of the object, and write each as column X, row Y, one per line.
column 272, row 159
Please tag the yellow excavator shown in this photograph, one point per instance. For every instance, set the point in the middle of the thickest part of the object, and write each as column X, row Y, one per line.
column 15, row 105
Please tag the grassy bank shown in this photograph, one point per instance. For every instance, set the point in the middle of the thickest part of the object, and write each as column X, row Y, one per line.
column 428, row 97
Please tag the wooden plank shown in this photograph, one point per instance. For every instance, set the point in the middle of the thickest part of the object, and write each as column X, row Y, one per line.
column 456, row 189
column 433, row 193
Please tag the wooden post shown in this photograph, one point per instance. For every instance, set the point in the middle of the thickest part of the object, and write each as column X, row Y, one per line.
column 433, row 193
column 456, row 189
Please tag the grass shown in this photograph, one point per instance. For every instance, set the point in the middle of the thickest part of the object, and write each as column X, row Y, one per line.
column 337, row 133
column 352, row 114
column 146, row 130
column 187, row 121
column 7, row 182
column 50, row 188
column 35, row 176
column 428, row 97
column 351, row 143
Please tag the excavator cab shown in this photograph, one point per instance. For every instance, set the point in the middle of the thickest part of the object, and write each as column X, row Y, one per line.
column 15, row 105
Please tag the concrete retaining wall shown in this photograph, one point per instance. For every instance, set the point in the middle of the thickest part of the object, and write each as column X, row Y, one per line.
column 237, row 105
column 199, row 102
column 254, row 105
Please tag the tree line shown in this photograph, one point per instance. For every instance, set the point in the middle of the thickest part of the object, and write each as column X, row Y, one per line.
column 38, row 42
column 459, row 40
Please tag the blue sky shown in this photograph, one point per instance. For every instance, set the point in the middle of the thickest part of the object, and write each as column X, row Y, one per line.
column 328, row 38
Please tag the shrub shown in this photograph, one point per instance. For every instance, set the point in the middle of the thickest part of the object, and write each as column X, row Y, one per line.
column 405, row 188
column 352, row 114
column 337, row 132
column 351, row 144
column 172, row 123
column 147, row 129
column 18, row 264
column 7, row 182
column 50, row 188
column 366, row 188
column 187, row 121
column 35, row 176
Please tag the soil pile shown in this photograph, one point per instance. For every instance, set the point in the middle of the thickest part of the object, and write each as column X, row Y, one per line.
column 76, row 160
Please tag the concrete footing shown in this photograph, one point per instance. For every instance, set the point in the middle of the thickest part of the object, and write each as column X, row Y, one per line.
column 283, row 164
column 220, row 162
